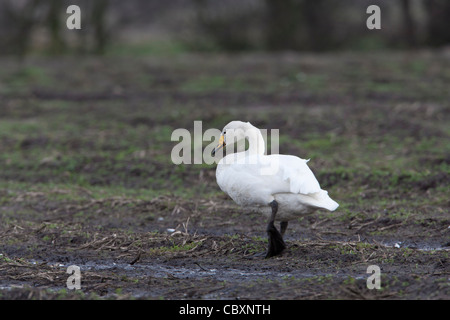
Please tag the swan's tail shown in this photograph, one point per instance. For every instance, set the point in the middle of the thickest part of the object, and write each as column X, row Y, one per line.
column 324, row 201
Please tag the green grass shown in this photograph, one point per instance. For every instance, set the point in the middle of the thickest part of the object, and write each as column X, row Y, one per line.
column 374, row 126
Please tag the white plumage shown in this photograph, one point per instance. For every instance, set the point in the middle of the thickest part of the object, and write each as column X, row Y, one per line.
column 254, row 180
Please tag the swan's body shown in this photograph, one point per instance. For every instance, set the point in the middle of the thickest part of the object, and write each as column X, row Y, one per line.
column 281, row 185
column 293, row 186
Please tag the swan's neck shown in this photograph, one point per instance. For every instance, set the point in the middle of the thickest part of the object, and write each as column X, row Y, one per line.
column 256, row 143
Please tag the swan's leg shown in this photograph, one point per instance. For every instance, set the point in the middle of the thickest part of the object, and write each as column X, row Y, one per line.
column 283, row 227
column 276, row 243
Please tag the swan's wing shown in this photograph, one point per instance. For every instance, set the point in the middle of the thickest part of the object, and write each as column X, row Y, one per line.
column 301, row 180
column 295, row 172
column 248, row 181
column 280, row 173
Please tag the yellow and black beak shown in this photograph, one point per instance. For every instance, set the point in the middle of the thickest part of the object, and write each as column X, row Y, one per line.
column 221, row 145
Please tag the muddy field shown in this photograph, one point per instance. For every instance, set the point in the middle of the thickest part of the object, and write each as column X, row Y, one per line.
column 86, row 177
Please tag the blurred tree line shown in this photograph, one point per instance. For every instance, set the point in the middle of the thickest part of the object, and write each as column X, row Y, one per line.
column 21, row 21
column 228, row 25
column 320, row 25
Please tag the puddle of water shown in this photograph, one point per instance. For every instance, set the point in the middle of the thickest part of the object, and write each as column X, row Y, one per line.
column 421, row 246
column 160, row 270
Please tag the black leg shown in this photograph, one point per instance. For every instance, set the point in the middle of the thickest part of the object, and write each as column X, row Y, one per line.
column 276, row 243
column 283, row 227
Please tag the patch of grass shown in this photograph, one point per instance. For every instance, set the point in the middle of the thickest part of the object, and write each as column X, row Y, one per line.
column 86, row 167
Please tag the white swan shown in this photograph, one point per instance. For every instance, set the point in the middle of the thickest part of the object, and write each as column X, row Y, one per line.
column 281, row 186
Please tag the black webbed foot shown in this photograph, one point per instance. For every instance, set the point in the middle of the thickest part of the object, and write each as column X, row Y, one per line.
column 276, row 242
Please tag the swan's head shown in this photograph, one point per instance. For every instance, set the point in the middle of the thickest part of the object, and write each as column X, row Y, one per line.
column 236, row 132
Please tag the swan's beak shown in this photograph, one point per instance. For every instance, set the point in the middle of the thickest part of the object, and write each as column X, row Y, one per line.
column 219, row 146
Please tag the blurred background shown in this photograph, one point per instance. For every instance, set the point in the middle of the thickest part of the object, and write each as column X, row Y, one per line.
column 164, row 27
